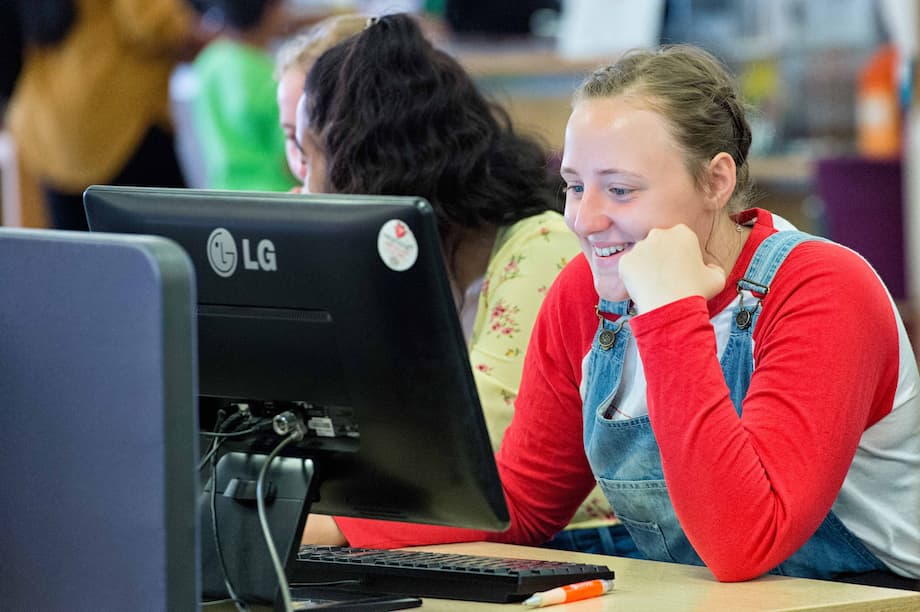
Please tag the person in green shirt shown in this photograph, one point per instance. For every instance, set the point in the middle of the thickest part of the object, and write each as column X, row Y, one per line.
column 234, row 111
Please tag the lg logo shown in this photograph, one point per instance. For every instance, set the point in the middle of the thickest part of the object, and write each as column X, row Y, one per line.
column 223, row 256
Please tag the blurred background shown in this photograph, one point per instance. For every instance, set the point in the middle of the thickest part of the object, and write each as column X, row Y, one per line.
column 830, row 84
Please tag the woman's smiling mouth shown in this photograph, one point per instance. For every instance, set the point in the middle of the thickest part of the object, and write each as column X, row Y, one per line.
column 607, row 251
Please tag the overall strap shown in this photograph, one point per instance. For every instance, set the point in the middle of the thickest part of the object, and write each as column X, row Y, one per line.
column 737, row 360
column 768, row 257
column 760, row 272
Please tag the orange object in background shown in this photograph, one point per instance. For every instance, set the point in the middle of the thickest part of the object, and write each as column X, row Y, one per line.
column 878, row 113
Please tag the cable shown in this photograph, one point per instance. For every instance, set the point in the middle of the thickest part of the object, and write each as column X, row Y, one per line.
column 239, row 603
column 285, row 423
column 219, row 425
column 231, row 434
column 221, row 436
column 218, row 436
column 207, row 457
column 294, row 436
column 219, row 431
column 213, row 445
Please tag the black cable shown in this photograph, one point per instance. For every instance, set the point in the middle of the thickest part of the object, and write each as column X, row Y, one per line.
column 217, row 439
column 221, row 425
column 211, row 457
column 219, row 434
column 263, row 521
column 212, row 446
column 239, row 603
column 231, row 434
column 207, row 457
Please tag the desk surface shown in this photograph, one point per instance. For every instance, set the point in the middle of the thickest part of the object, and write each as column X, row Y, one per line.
column 653, row 586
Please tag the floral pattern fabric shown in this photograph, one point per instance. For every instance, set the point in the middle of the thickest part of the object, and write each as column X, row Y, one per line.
column 525, row 260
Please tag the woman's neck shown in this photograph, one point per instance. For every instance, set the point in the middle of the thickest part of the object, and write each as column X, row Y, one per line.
column 470, row 258
column 727, row 242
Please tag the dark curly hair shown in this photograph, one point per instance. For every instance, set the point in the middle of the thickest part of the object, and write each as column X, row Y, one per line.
column 396, row 116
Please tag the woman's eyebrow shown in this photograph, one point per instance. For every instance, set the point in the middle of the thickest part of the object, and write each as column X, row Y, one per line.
column 604, row 172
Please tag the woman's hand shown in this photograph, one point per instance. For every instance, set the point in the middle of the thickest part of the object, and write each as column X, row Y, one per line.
column 668, row 266
column 321, row 529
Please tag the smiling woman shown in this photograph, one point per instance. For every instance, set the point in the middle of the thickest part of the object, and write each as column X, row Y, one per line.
column 695, row 401
column 612, row 201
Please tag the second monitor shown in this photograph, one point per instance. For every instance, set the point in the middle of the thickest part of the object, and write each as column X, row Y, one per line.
column 338, row 308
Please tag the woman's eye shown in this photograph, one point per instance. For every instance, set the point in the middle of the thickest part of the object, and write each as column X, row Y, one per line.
column 575, row 188
column 299, row 146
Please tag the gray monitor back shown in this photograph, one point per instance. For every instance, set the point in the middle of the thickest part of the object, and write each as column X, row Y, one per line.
column 98, row 423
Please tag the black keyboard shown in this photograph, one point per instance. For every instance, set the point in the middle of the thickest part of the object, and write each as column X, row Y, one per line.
column 431, row 574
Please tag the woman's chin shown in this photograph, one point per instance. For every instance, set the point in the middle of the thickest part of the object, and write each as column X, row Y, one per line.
column 612, row 292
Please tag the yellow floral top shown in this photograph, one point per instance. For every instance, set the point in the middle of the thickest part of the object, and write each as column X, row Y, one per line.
column 524, row 262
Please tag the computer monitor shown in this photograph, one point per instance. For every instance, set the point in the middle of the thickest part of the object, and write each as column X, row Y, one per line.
column 339, row 308
column 99, row 422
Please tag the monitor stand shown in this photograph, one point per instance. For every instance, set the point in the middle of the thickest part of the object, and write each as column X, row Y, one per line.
column 289, row 488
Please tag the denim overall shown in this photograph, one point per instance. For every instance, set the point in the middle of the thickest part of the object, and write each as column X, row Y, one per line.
column 624, row 455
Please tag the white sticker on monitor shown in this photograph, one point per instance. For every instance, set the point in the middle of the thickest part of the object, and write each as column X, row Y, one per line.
column 397, row 246
column 322, row 426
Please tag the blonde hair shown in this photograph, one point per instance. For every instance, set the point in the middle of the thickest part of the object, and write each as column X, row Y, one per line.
column 301, row 50
column 696, row 94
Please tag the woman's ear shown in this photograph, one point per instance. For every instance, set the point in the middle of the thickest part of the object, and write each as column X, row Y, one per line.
column 721, row 180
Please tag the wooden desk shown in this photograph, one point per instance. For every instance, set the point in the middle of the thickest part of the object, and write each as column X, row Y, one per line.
column 652, row 586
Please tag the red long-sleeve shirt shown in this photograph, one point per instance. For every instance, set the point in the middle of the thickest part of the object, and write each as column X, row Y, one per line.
column 831, row 418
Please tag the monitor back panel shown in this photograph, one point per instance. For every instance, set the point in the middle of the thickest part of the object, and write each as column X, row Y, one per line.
column 347, row 314
column 98, row 423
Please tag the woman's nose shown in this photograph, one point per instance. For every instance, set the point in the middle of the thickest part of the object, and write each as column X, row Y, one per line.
column 590, row 214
